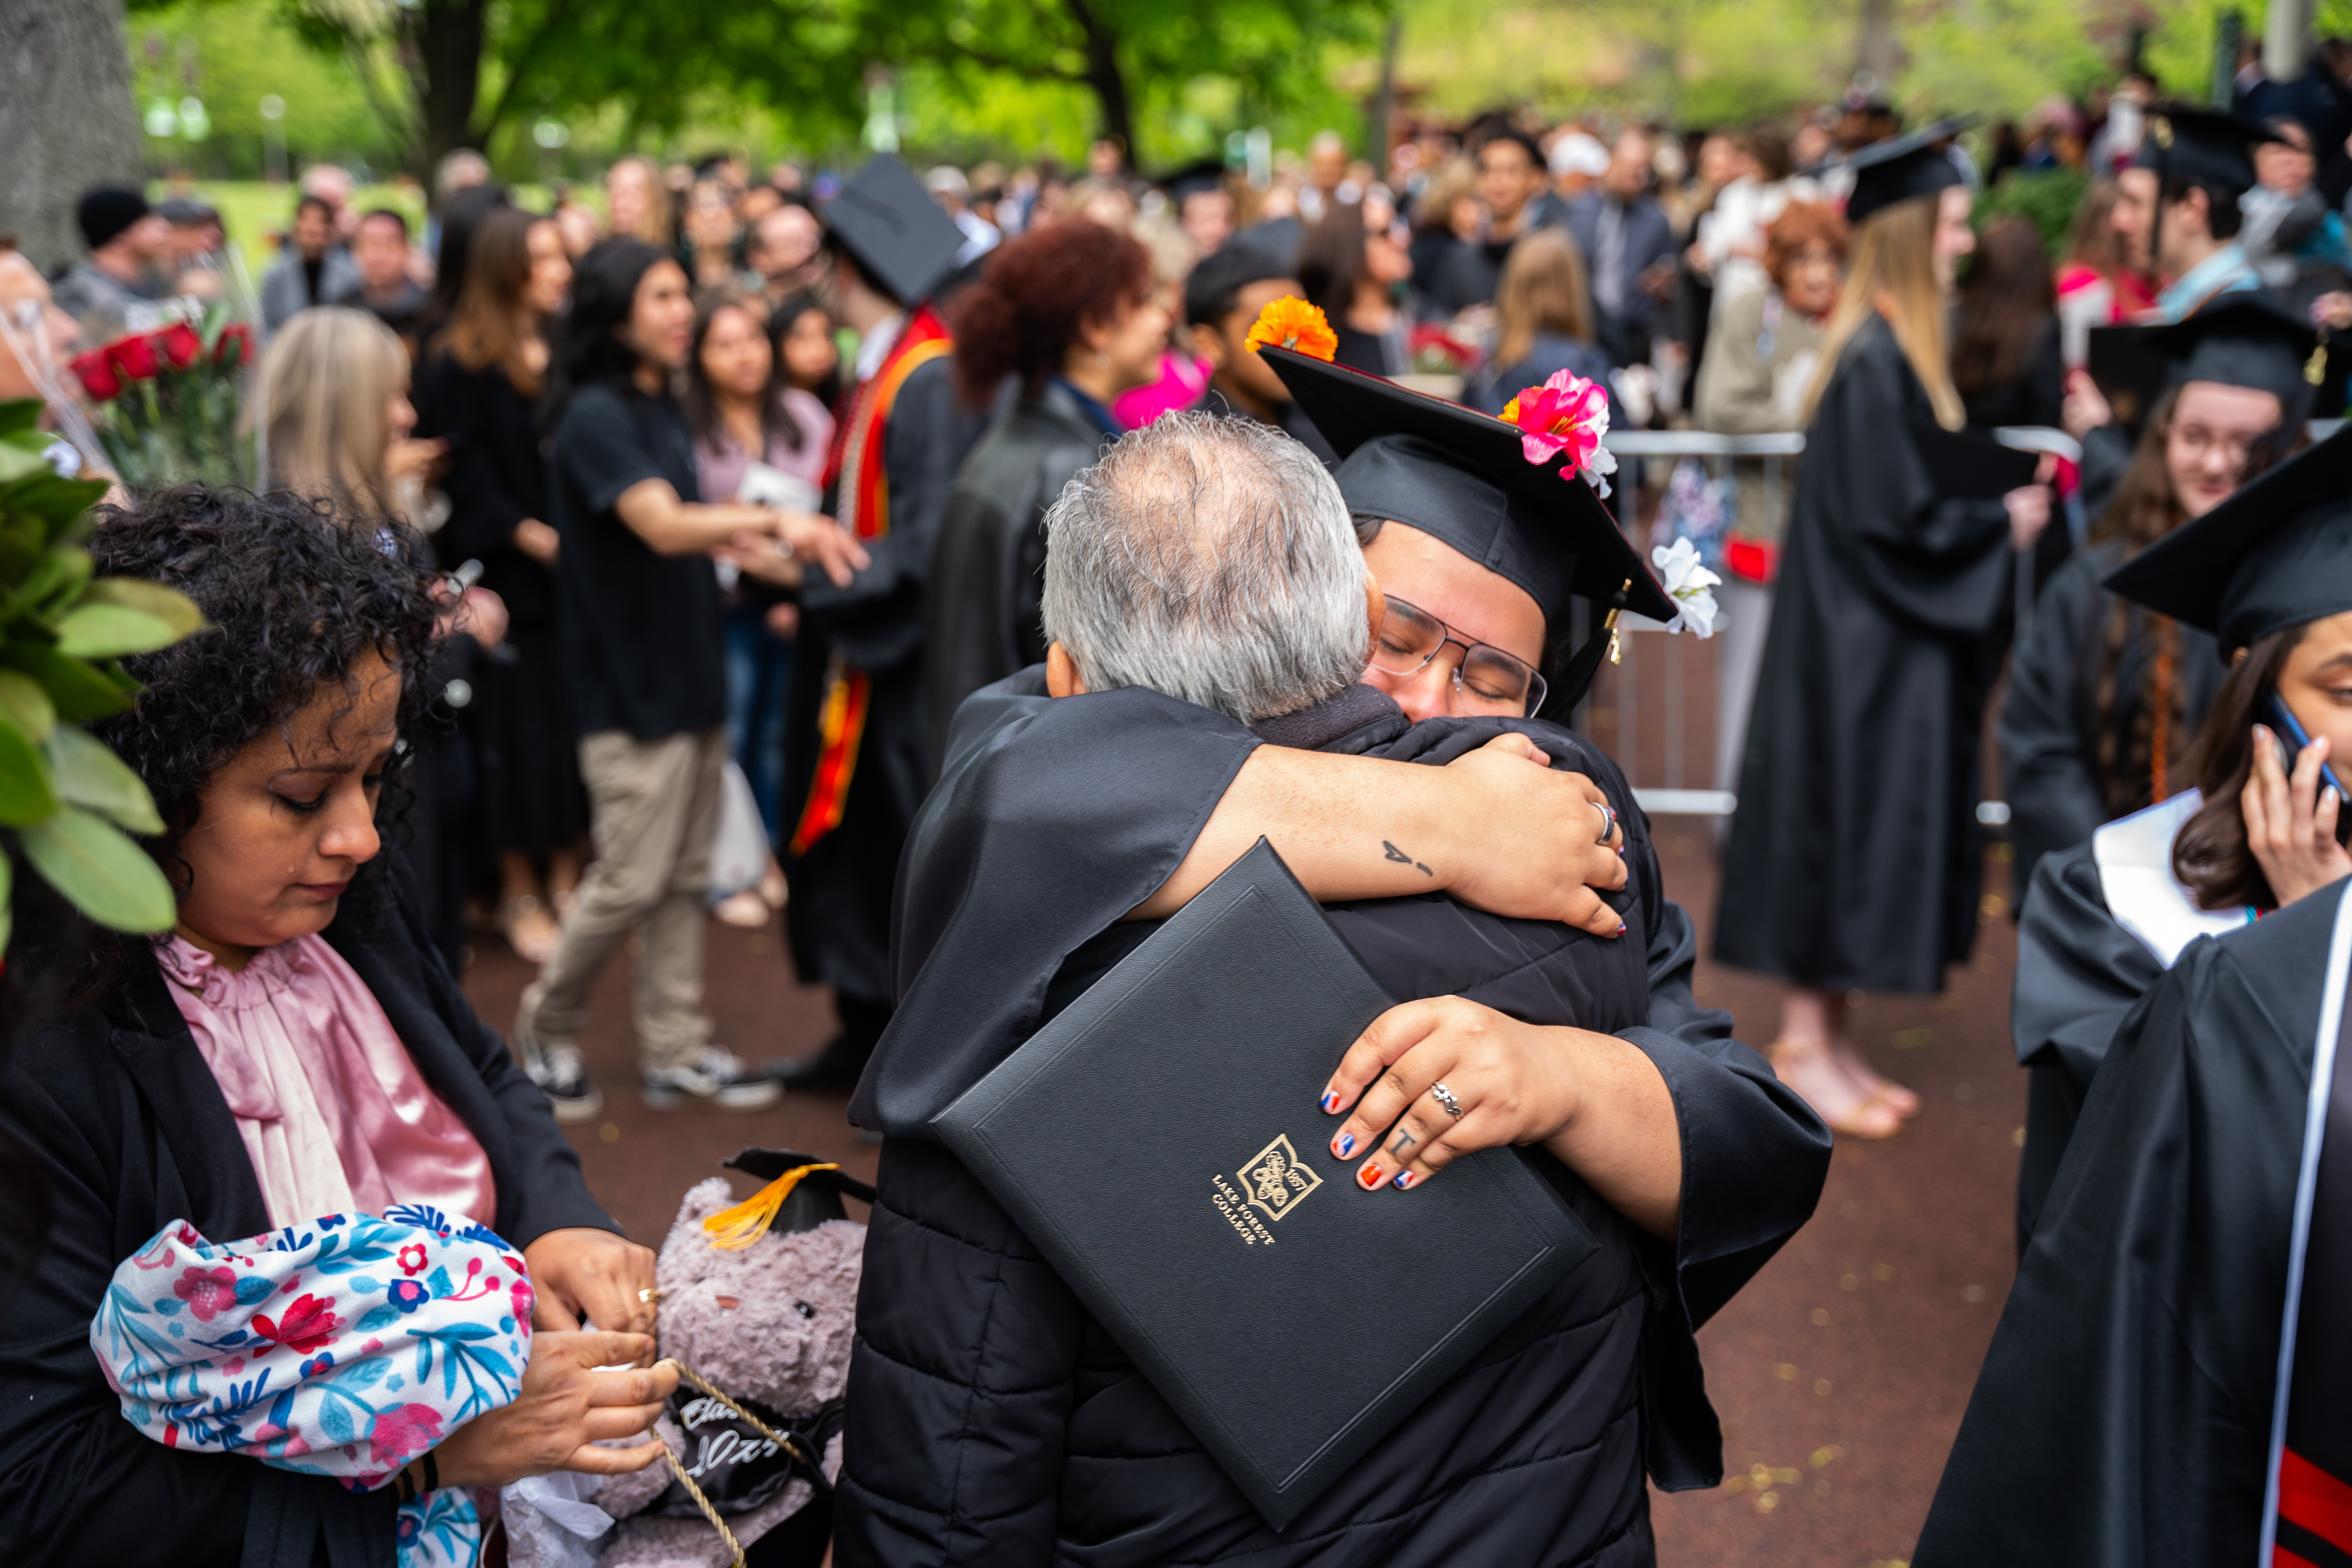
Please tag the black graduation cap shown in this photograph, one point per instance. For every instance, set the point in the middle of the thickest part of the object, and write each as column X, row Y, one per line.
column 2246, row 340
column 1194, row 179
column 1902, row 168
column 904, row 241
column 2185, row 143
column 1463, row 477
column 2275, row 554
column 814, row 1198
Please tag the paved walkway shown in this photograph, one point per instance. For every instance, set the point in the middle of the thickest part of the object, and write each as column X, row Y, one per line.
column 1841, row 1371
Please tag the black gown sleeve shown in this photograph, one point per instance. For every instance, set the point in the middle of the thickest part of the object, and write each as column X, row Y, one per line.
column 2107, row 453
column 2078, row 971
column 1940, row 562
column 2122, row 1419
column 877, row 621
column 2053, row 799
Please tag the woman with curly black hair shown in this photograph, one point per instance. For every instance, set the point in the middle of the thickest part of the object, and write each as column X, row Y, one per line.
column 293, row 1049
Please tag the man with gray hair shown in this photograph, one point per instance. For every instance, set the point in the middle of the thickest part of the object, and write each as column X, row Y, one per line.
column 1212, row 560
column 1205, row 575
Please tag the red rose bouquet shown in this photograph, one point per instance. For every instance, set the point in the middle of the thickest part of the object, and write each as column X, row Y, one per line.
column 166, row 404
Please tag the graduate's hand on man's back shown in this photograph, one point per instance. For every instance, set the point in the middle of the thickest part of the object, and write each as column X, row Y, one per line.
column 1534, row 848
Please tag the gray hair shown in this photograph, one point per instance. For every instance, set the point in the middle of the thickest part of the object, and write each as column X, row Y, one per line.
column 1212, row 560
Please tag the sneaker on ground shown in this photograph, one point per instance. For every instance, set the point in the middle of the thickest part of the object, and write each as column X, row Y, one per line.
column 717, row 1077
column 563, row 1079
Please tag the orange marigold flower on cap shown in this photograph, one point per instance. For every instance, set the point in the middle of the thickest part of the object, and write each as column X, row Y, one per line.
column 1293, row 323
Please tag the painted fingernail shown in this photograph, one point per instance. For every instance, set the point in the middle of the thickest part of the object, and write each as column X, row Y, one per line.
column 1371, row 1175
column 1405, row 1178
column 1330, row 1099
column 1620, row 927
column 1344, row 1144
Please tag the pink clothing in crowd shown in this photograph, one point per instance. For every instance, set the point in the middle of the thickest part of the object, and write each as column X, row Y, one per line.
column 335, row 1117
column 720, row 469
column 1184, row 380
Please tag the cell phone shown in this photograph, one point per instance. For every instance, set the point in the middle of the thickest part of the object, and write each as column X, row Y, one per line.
column 2293, row 738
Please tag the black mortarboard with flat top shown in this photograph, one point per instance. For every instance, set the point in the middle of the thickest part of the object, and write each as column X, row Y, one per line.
column 902, row 239
column 2202, row 145
column 1903, row 169
column 2245, row 340
column 1463, row 477
column 2275, row 554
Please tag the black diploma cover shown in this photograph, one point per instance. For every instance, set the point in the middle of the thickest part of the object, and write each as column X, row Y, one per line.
column 1161, row 1143
column 1969, row 465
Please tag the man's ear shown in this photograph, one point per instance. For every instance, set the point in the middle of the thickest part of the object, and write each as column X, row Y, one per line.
column 1062, row 677
column 1209, row 343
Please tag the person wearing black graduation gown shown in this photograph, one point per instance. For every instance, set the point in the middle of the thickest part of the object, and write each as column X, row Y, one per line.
column 1055, row 819
column 1853, row 859
column 856, row 762
column 2107, row 916
column 2126, row 1408
column 2105, row 696
column 1065, row 314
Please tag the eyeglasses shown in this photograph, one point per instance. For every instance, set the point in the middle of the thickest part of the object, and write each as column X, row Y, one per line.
column 1487, row 679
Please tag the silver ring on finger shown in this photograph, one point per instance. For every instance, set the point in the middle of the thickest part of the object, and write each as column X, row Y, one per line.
column 1608, row 821
column 1445, row 1097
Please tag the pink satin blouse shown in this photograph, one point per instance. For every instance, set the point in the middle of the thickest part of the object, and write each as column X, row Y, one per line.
column 334, row 1114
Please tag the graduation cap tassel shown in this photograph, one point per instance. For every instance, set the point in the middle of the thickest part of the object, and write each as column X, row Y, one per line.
column 1585, row 664
column 736, row 1228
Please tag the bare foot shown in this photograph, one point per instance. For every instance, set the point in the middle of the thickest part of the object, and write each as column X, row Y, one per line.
column 529, row 930
column 747, row 909
column 773, row 886
column 1867, row 1079
column 1810, row 1068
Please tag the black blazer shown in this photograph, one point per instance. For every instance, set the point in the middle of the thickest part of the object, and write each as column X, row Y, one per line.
column 118, row 1106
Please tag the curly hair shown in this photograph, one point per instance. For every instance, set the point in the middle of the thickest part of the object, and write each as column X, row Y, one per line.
column 1038, row 291
column 298, row 597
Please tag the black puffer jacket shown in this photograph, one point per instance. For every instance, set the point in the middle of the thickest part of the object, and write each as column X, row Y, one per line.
column 982, row 620
column 992, row 1421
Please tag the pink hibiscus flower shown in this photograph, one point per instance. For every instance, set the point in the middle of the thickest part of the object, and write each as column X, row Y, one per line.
column 208, row 1292
column 306, row 1325
column 1566, row 414
column 403, row 1432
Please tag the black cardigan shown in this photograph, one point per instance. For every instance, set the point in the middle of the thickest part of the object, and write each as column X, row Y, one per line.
column 118, row 1105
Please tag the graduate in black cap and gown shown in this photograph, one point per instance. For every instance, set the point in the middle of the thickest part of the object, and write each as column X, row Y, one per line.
column 1853, row 859
column 2170, row 1383
column 856, row 767
column 1056, row 818
column 2177, row 208
column 2103, row 698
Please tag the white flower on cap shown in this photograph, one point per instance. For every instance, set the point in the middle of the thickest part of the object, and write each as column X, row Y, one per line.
column 1690, row 584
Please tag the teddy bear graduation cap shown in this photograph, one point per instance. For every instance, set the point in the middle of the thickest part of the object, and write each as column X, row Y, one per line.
column 1520, row 496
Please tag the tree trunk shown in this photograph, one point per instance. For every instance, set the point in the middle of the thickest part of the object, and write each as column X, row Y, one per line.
column 1103, row 75
column 450, row 49
column 1877, row 53
column 67, row 120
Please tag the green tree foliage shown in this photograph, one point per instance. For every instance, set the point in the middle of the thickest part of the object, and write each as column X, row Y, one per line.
column 69, row 801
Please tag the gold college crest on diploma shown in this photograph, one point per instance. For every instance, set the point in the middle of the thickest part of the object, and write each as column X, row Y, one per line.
column 1276, row 1179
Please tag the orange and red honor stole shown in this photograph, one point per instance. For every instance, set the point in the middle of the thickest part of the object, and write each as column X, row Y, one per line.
column 856, row 464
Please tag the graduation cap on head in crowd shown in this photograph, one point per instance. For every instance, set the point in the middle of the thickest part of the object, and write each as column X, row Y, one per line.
column 2185, row 143
column 2238, row 340
column 2275, row 554
column 1194, row 179
column 903, row 240
column 1904, row 168
column 1464, row 477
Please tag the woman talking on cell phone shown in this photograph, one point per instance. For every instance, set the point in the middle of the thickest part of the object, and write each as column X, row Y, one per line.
column 1852, row 864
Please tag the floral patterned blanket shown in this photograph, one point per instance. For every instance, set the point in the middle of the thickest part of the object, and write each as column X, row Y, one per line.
column 345, row 1346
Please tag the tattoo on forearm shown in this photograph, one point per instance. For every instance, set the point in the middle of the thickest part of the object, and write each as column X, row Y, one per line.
column 1401, row 858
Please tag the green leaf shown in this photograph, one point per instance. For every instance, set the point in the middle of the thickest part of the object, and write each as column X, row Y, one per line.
column 81, row 690
column 16, row 463
column 109, row 878
column 111, row 631
column 27, row 791
column 169, row 605
column 19, row 414
column 89, row 775
column 23, row 704
column 7, row 914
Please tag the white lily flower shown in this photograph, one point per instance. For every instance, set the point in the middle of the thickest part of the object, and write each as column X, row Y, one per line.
column 1689, row 583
